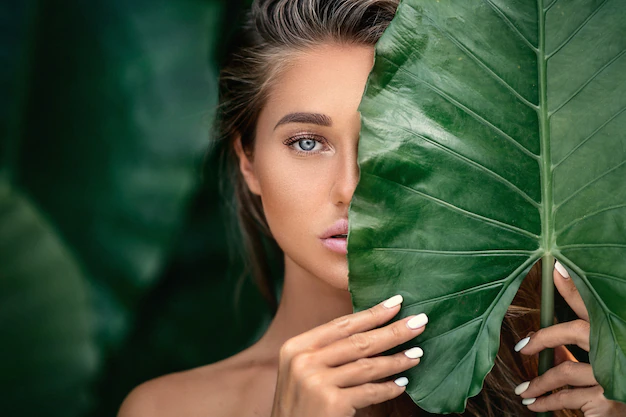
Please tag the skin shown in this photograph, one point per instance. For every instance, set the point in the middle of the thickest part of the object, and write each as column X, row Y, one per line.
column 316, row 358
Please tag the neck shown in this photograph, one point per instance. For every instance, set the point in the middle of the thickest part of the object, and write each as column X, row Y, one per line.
column 306, row 302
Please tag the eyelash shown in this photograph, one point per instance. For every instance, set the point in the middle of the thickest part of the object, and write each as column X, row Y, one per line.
column 295, row 139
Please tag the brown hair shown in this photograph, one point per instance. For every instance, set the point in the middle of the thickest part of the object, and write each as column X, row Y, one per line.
column 273, row 32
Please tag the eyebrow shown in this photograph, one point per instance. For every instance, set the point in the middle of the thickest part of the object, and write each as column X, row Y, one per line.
column 311, row 118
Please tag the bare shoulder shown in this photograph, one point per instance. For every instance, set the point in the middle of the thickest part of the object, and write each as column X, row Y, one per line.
column 239, row 385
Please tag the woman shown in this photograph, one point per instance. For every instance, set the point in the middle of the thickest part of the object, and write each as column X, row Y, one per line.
column 289, row 101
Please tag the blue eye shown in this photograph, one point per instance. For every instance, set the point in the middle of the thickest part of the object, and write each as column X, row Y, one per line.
column 307, row 144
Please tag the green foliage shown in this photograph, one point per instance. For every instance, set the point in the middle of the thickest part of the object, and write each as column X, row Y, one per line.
column 493, row 136
column 47, row 341
column 113, row 262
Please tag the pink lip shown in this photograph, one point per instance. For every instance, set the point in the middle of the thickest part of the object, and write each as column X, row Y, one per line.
column 336, row 244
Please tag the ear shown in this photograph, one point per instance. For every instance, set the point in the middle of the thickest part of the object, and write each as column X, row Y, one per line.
column 247, row 168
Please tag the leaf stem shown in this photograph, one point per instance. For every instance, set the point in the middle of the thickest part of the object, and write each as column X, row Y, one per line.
column 546, row 357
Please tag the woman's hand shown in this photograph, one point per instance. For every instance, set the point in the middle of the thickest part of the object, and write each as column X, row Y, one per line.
column 332, row 370
column 586, row 394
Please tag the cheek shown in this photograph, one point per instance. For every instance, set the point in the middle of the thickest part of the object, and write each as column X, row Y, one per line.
column 292, row 193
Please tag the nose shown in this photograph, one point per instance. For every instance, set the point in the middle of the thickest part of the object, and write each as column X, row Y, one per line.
column 346, row 176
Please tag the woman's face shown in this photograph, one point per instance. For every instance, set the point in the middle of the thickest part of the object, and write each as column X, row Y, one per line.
column 304, row 165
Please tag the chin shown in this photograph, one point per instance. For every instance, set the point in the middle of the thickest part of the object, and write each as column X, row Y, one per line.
column 337, row 277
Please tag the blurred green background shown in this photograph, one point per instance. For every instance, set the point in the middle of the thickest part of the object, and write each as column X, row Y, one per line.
column 118, row 253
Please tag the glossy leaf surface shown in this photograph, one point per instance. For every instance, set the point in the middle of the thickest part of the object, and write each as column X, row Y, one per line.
column 493, row 133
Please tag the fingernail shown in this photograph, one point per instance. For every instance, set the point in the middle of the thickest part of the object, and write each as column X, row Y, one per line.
column 561, row 269
column 393, row 301
column 528, row 401
column 402, row 381
column 414, row 353
column 520, row 345
column 521, row 388
column 417, row 321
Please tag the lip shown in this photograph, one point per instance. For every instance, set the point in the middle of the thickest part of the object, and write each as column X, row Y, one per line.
column 336, row 244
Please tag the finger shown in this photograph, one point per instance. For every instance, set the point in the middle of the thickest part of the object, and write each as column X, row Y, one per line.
column 374, row 393
column 366, row 370
column 568, row 399
column 373, row 342
column 568, row 373
column 568, row 291
column 342, row 327
column 574, row 332
column 561, row 354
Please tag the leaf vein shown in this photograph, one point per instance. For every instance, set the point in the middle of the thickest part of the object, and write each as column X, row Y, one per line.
column 464, row 212
column 593, row 77
column 484, row 66
column 545, row 10
column 588, row 216
column 475, row 164
column 606, row 276
column 575, row 193
column 487, row 285
column 463, row 108
column 578, row 29
column 593, row 246
column 459, row 253
column 512, row 26
column 591, row 135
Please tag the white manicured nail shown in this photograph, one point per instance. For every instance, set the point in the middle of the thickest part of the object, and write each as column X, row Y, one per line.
column 520, row 345
column 417, row 321
column 393, row 301
column 402, row 381
column 561, row 269
column 414, row 353
column 528, row 401
column 521, row 388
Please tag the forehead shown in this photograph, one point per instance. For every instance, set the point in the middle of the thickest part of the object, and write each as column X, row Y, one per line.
column 328, row 79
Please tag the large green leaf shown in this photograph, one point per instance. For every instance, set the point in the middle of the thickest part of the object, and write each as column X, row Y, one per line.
column 493, row 134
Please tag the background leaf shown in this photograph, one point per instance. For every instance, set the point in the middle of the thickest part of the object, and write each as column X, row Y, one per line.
column 105, row 118
column 128, row 109
column 45, row 317
column 493, row 135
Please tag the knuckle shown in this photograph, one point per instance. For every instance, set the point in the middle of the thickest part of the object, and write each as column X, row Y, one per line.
column 372, row 390
column 342, row 323
column 332, row 400
column 538, row 336
column 313, row 382
column 397, row 331
column 560, row 397
column 580, row 327
column 568, row 369
column 392, row 390
column 373, row 313
column 366, row 365
column 360, row 342
column 400, row 362
column 301, row 363
column 289, row 349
